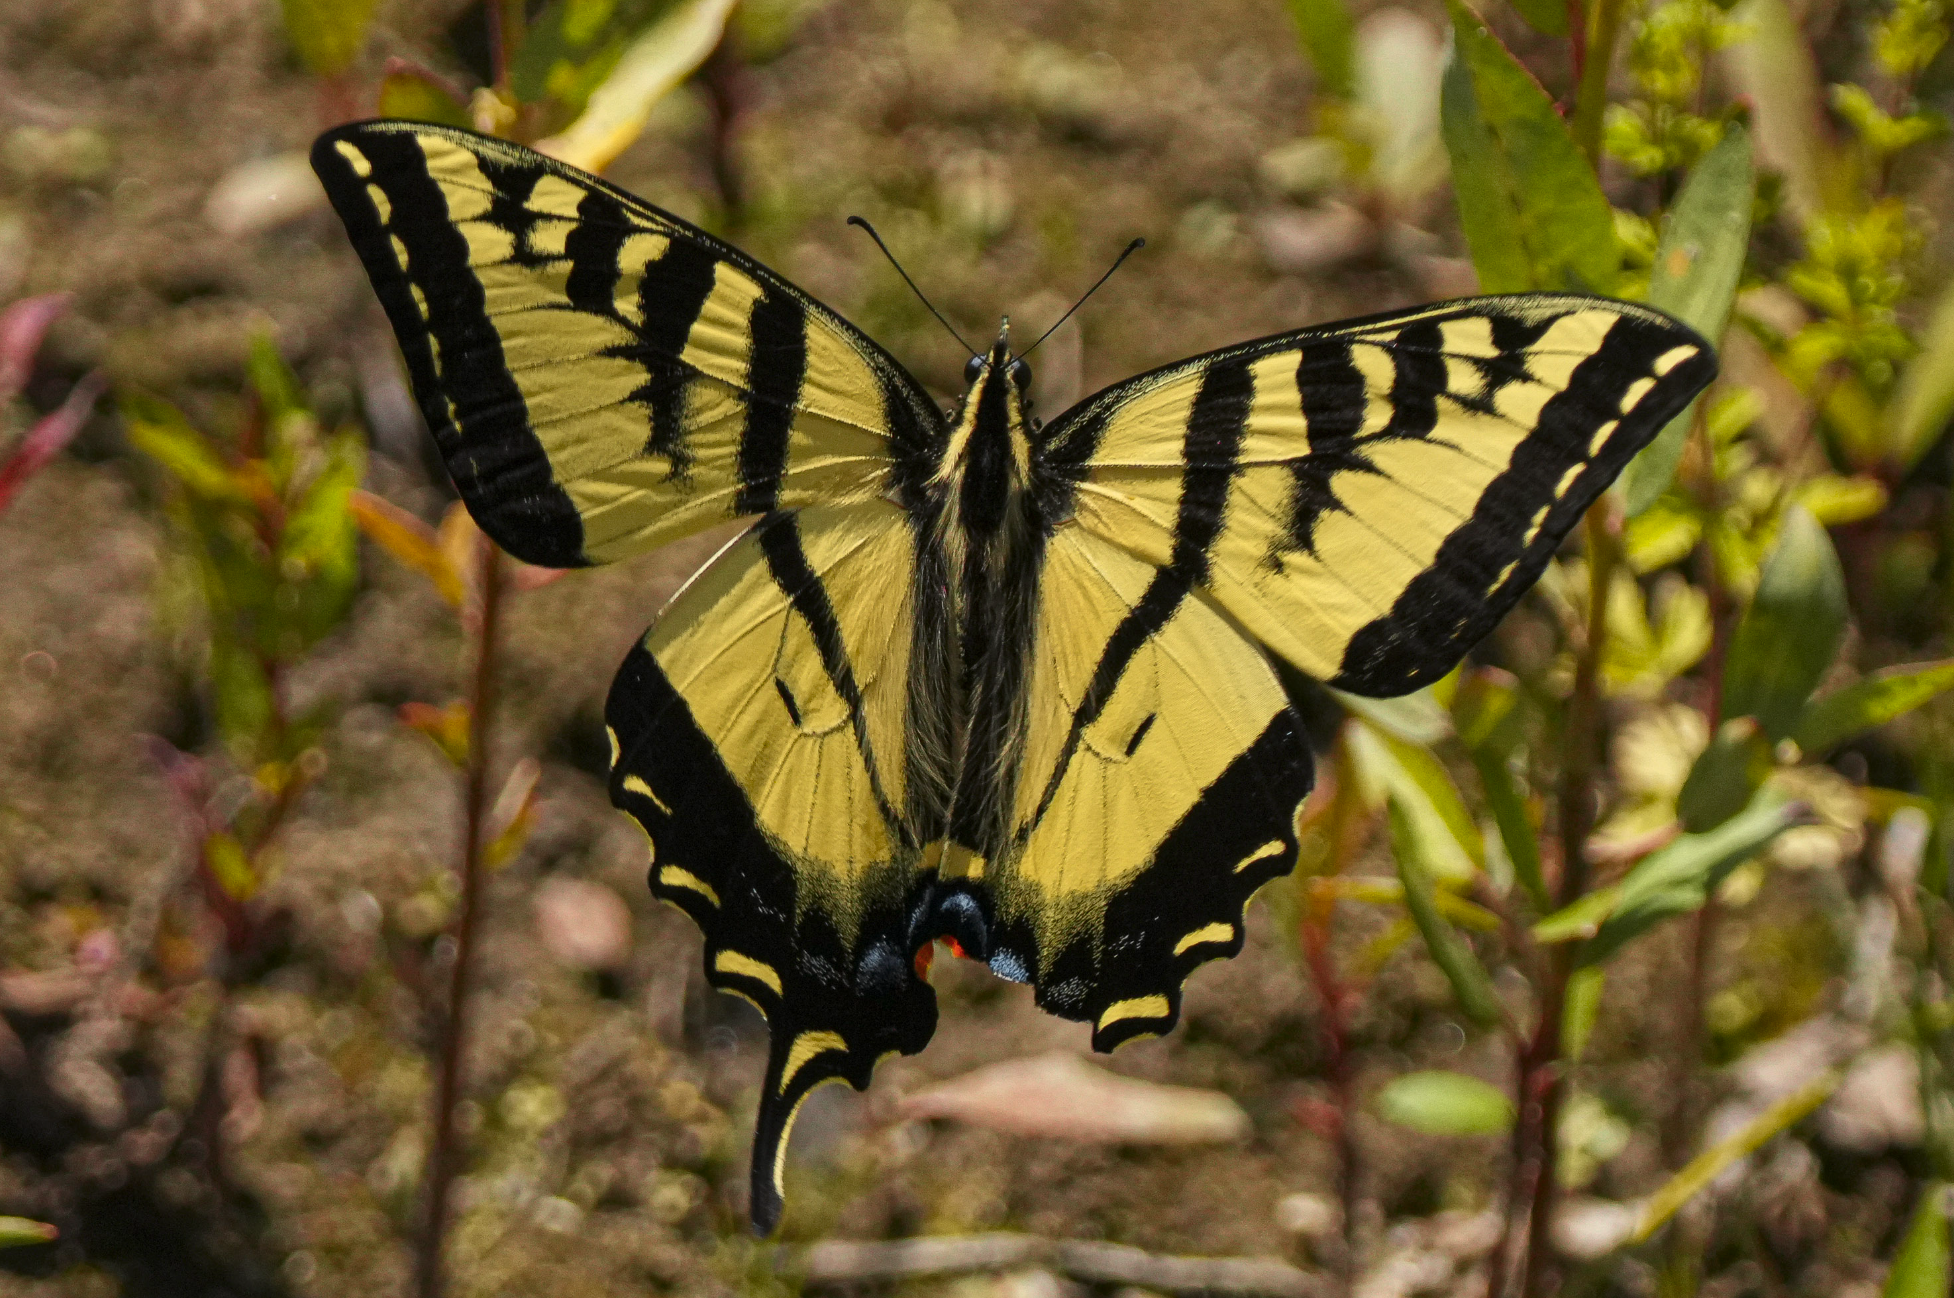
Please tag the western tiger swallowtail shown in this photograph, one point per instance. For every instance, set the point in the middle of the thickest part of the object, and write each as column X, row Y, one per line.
column 972, row 677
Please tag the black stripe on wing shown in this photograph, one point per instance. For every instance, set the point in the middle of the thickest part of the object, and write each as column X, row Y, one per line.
column 1491, row 560
column 454, row 352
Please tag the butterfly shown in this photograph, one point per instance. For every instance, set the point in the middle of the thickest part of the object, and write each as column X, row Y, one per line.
column 972, row 677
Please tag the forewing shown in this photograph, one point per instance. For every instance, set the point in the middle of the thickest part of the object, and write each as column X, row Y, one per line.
column 757, row 734
column 601, row 376
column 1162, row 776
column 1369, row 498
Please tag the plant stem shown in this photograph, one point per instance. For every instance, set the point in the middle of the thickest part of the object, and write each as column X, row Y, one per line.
column 1541, row 1080
column 1598, row 56
column 443, row 1160
column 1322, row 967
column 1679, row 1125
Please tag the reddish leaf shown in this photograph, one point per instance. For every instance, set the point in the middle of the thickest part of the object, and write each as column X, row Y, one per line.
column 46, row 438
column 22, row 326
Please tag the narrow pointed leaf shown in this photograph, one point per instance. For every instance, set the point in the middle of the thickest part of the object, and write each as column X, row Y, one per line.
column 160, row 431
column 1705, row 1167
column 1724, row 777
column 419, row 95
column 1441, row 1103
column 48, row 436
column 1679, row 878
column 1921, row 1268
column 1791, row 632
column 18, row 1231
column 1866, row 704
column 1329, row 38
column 328, row 34
column 1581, row 1008
column 1524, row 162
column 22, row 326
column 1391, row 768
column 1548, row 17
column 651, row 67
column 1450, row 952
column 407, row 539
column 1925, row 401
column 1697, row 266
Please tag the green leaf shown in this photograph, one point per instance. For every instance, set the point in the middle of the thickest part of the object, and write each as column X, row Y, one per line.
column 1388, row 767
column 1921, row 1267
column 1662, row 534
column 1441, row 1103
column 1920, row 409
column 328, row 34
column 1579, row 919
column 1680, row 877
column 417, row 97
column 159, row 430
column 1481, row 186
column 1871, row 702
column 272, row 379
column 1516, row 831
column 1773, row 67
column 1836, row 501
column 1724, row 777
column 229, row 866
column 1329, row 40
column 242, row 697
column 1697, row 266
column 1415, row 717
column 18, row 1231
column 651, row 65
column 1706, row 1166
column 1533, row 212
column 1548, row 17
column 1449, row 951
column 321, row 541
column 1791, row 632
column 1581, row 1008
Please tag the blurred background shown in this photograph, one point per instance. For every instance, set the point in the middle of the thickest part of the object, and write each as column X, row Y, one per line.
column 1615, row 964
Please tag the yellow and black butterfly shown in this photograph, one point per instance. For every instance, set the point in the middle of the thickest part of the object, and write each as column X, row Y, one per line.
column 972, row 677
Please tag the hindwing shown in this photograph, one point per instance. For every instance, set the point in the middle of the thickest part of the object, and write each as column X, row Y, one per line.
column 758, row 737
column 1369, row 498
column 601, row 376
column 1162, row 776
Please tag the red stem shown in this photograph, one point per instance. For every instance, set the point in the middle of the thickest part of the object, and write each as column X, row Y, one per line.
column 444, row 1159
column 1323, row 969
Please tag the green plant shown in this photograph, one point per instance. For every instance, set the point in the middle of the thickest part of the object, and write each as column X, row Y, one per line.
column 1704, row 618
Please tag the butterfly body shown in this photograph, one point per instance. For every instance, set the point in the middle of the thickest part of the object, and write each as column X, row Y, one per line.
column 969, row 676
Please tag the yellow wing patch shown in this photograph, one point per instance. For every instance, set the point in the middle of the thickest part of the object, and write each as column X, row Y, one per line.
column 601, row 376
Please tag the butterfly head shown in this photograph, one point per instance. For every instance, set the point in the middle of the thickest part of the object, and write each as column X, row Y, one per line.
column 999, row 360
column 989, row 448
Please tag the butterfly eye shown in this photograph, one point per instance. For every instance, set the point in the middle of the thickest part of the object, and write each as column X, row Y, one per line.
column 972, row 368
column 1020, row 374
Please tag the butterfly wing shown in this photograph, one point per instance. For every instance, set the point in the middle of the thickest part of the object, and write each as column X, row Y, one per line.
column 1160, row 785
column 1368, row 499
column 601, row 376
column 758, row 737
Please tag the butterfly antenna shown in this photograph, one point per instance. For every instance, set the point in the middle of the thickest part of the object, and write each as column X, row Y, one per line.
column 861, row 221
column 1131, row 248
